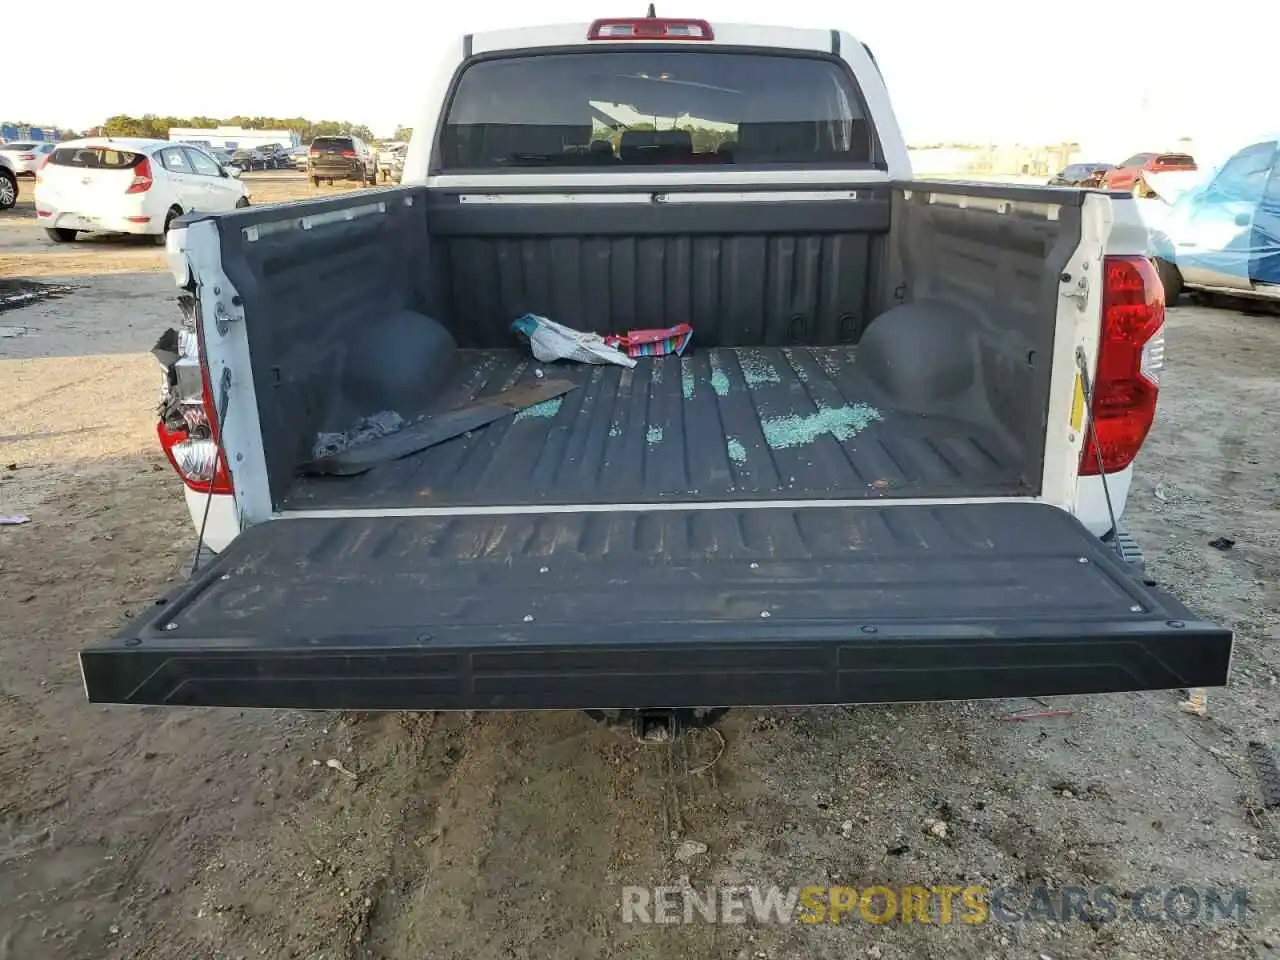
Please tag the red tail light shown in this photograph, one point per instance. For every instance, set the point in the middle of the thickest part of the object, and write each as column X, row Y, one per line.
column 26, row 156
column 188, row 430
column 348, row 153
column 650, row 28
column 40, row 169
column 1130, row 357
column 142, row 179
column 315, row 153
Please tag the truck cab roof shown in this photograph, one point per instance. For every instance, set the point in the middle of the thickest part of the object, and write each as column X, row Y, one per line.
column 722, row 34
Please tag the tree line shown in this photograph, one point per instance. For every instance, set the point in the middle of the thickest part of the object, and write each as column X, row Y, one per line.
column 155, row 127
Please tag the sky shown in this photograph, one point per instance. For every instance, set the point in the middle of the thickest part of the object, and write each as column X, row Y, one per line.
column 1000, row 71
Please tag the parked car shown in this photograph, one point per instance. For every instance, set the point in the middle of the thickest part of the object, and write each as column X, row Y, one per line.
column 1221, row 233
column 1080, row 175
column 340, row 158
column 1128, row 176
column 720, row 544
column 298, row 158
column 1098, row 177
column 8, row 184
column 222, row 156
column 249, row 158
column 387, row 157
column 276, row 157
column 124, row 185
column 25, row 156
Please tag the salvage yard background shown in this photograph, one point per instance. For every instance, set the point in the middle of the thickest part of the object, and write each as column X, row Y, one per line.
column 187, row 834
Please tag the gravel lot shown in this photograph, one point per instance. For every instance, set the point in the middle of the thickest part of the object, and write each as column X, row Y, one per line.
column 192, row 833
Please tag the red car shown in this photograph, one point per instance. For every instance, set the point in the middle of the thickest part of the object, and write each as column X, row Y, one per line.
column 1128, row 175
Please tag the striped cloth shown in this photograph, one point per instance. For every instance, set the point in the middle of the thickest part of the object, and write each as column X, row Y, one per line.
column 653, row 343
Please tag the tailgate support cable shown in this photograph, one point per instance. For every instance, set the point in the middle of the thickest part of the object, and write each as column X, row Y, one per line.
column 1082, row 364
column 220, row 459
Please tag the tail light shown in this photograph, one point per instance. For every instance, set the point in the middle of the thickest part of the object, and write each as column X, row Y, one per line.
column 650, row 28
column 40, row 169
column 1130, row 357
column 348, row 153
column 26, row 156
column 188, row 427
column 142, row 179
column 315, row 153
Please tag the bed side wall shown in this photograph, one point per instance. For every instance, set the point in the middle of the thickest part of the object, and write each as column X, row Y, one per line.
column 975, row 273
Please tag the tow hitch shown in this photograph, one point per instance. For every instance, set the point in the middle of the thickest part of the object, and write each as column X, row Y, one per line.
column 659, row 724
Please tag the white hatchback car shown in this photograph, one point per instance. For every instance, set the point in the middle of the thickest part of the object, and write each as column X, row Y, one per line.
column 122, row 185
column 25, row 156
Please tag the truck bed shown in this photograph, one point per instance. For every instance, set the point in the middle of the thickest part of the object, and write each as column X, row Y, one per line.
column 716, row 425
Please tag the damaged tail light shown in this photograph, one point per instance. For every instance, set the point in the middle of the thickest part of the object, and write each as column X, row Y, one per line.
column 188, row 425
column 1130, row 357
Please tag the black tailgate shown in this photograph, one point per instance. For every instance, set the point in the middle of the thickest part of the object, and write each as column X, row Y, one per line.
column 711, row 607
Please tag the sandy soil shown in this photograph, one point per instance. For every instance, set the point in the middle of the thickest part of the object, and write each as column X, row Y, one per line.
column 191, row 834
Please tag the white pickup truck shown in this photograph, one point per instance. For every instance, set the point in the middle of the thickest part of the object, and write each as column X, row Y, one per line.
column 889, row 467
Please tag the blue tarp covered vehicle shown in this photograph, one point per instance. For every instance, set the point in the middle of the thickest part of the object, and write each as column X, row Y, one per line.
column 1222, row 231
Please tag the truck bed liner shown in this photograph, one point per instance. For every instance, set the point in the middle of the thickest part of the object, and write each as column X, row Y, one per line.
column 718, row 424
column 668, row 607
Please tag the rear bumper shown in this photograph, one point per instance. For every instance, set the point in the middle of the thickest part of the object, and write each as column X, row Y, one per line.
column 70, row 220
column 343, row 172
column 712, row 608
column 215, row 516
column 1091, row 507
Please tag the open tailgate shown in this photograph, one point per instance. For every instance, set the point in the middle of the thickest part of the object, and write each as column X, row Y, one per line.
column 670, row 607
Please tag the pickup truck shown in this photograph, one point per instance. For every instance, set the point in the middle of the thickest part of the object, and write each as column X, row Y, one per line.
column 890, row 466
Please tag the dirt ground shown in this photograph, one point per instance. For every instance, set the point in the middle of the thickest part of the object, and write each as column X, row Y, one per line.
column 169, row 833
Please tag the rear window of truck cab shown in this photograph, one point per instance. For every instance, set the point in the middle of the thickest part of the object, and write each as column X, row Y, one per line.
column 626, row 108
